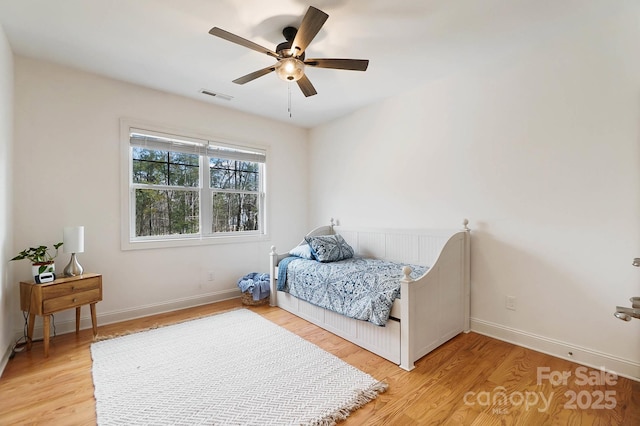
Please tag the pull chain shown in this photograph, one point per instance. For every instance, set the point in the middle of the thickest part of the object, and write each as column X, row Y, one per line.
column 289, row 107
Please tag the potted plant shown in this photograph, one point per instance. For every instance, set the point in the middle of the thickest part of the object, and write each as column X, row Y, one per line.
column 41, row 259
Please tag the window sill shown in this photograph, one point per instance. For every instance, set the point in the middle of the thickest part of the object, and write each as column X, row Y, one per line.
column 190, row 242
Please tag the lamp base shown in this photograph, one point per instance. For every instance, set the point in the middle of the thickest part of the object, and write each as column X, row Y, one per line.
column 73, row 268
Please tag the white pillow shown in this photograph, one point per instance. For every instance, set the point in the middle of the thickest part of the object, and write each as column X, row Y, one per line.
column 303, row 251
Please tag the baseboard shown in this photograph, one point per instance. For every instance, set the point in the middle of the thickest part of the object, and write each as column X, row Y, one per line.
column 5, row 358
column 588, row 357
column 111, row 317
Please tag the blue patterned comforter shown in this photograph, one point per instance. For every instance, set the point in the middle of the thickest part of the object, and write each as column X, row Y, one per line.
column 359, row 288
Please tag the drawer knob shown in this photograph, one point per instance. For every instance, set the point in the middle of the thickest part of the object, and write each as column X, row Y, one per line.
column 73, row 287
column 75, row 300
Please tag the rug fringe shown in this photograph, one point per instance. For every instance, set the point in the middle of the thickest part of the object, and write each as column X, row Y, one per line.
column 100, row 337
column 361, row 399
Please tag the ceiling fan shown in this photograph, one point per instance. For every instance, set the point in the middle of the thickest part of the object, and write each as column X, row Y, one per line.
column 290, row 54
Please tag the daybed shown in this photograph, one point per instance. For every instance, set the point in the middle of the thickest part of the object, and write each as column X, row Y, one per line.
column 431, row 309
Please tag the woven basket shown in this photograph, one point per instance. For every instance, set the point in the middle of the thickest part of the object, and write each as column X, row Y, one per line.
column 247, row 299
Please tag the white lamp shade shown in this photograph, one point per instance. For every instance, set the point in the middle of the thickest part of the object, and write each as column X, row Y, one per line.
column 73, row 239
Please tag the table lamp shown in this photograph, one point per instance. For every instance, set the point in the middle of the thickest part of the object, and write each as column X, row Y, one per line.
column 73, row 239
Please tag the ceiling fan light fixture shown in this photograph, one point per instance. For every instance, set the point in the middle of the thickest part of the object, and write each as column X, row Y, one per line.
column 290, row 69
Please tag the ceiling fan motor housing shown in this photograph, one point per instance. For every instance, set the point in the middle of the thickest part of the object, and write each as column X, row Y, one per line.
column 284, row 49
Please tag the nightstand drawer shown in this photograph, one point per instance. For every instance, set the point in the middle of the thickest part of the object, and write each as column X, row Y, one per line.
column 71, row 301
column 70, row 288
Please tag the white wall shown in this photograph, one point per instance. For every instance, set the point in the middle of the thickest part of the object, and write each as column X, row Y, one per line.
column 542, row 153
column 67, row 172
column 7, row 286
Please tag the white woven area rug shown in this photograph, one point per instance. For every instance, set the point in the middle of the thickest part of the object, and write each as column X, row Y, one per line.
column 235, row 368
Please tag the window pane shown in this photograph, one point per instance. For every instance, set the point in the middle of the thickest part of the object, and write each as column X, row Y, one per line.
column 149, row 166
column 234, row 212
column 184, row 169
column 161, row 212
column 234, row 174
column 159, row 167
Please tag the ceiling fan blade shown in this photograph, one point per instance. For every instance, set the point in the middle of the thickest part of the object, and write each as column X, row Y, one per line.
column 219, row 32
column 305, row 85
column 313, row 20
column 249, row 77
column 339, row 64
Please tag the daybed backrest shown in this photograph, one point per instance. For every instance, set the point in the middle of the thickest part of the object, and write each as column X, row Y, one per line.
column 320, row 230
column 420, row 247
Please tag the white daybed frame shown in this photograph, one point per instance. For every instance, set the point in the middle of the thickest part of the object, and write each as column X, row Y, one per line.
column 432, row 309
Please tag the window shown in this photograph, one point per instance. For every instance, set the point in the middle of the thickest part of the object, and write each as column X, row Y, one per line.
column 185, row 189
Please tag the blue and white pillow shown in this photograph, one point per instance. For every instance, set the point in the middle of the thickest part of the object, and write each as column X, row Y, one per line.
column 329, row 248
column 303, row 251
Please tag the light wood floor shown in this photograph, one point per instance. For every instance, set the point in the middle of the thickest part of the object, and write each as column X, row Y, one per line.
column 472, row 380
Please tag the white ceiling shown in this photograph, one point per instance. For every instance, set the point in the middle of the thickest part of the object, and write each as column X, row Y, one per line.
column 165, row 45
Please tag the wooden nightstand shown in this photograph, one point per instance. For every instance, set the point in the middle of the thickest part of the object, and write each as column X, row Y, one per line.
column 63, row 293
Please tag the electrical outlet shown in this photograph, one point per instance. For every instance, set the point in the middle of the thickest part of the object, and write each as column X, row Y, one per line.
column 211, row 276
column 510, row 303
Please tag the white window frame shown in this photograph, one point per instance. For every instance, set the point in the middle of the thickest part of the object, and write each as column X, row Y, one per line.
column 128, row 239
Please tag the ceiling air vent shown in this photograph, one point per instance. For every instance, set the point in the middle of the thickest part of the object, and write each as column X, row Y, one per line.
column 216, row 95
